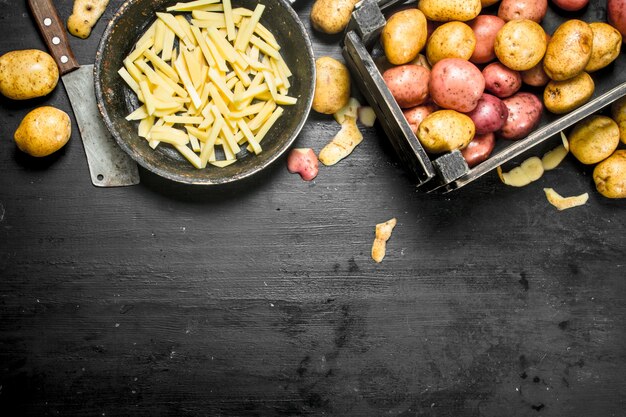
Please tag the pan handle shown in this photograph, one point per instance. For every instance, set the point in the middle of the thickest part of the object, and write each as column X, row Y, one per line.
column 53, row 32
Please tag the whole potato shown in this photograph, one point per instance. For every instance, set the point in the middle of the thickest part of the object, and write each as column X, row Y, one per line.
column 331, row 16
column 571, row 5
column 404, row 36
column 534, row 10
column 456, row 84
column 593, row 139
column 445, row 130
column 524, row 115
column 27, row 73
column 501, row 80
column 489, row 115
column 616, row 15
column 43, row 131
column 487, row 3
column 569, row 50
column 610, row 175
column 618, row 112
column 479, row 149
column 332, row 85
column 564, row 96
column 606, row 46
column 450, row 40
column 448, row 10
column 536, row 76
column 408, row 84
column 416, row 115
column 520, row 44
column 485, row 28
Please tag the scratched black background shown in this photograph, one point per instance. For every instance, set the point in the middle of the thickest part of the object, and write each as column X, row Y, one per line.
column 260, row 298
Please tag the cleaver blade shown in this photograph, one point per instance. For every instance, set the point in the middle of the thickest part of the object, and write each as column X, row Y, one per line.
column 109, row 165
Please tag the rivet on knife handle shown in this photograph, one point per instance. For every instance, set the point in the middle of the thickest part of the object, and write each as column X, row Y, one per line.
column 53, row 32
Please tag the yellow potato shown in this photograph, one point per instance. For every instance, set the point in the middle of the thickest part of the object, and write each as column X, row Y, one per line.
column 593, row 139
column 451, row 40
column 618, row 112
column 27, row 73
column 43, row 131
column 404, row 36
column 569, row 50
column 610, row 175
column 332, row 85
column 607, row 44
column 331, row 16
column 520, row 44
column 448, row 10
column 564, row 96
column 445, row 130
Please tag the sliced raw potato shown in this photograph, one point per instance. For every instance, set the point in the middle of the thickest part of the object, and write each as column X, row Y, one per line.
column 564, row 203
column 530, row 170
column 342, row 144
column 383, row 233
column 349, row 110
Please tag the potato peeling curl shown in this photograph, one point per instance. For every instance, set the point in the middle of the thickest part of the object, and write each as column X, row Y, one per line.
column 383, row 233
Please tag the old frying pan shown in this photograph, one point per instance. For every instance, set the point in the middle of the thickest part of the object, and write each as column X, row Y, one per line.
column 115, row 100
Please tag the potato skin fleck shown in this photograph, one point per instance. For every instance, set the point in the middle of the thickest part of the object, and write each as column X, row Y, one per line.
column 27, row 73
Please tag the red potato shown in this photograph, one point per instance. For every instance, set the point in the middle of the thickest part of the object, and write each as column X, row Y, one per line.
column 536, row 76
column 485, row 29
column 616, row 15
column 525, row 111
column 416, row 115
column 489, row 115
column 534, row 10
column 479, row 149
column 571, row 5
column 304, row 162
column 501, row 80
column 408, row 84
column 456, row 84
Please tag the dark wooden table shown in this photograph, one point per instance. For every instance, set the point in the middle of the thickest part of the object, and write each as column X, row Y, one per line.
column 260, row 298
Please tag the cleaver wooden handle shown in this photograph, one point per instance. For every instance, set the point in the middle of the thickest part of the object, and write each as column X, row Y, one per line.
column 54, row 35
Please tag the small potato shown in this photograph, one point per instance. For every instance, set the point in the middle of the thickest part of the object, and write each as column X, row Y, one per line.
column 564, row 96
column 618, row 112
column 43, row 131
column 524, row 115
column 520, row 44
column 610, row 175
column 536, row 76
column 404, row 36
column 489, row 115
column 445, row 130
column 449, row 10
column 408, row 84
column 27, row 74
column 450, row 40
column 593, row 139
column 534, row 10
column 456, row 84
column 479, row 149
column 501, row 80
column 616, row 15
column 417, row 114
column 607, row 44
column 570, row 5
column 569, row 50
column 332, row 85
column 331, row 16
column 485, row 29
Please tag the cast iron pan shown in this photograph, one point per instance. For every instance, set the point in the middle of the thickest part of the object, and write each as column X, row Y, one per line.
column 116, row 100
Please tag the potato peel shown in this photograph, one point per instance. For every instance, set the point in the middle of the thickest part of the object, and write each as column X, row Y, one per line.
column 342, row 144
column 564, row 203
column 383, row 233
column 530, row 170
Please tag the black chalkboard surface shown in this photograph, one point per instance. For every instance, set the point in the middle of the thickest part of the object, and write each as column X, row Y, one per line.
column 260, row 297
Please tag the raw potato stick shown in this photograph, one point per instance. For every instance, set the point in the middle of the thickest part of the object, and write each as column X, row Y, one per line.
column 84, row 16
